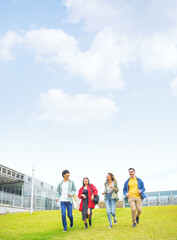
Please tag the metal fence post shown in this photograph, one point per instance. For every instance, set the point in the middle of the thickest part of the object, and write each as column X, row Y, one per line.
column 32, row 190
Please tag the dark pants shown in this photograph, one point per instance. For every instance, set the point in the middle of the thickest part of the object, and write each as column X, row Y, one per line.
column 69, row 207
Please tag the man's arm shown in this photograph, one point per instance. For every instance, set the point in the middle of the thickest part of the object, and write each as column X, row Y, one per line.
column 142, row 186
column 125, row 189
column 58, row 193
column 73, row 190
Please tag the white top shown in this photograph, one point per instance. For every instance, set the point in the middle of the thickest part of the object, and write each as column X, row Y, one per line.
column 110, row 190
column 64, row 192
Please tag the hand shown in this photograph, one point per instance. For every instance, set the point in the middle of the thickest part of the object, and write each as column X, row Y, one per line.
column 111, row 186
column 69, row 195
column 127, row 194
column 56, row 199
column 83, row 196
column 103, row 193
column 139, row 191
column 92, row 197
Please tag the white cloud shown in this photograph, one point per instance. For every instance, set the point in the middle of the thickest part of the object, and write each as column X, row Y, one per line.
column 173, row 86
column 51, row 45
column 110, row 50
column 153, row 38
column 159, row 52
column 99, row 66
column 98, row 14
column 124, row 16
column 7, row 43
column 57, row 106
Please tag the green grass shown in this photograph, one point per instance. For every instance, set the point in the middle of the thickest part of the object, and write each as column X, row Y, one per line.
column 155, row 223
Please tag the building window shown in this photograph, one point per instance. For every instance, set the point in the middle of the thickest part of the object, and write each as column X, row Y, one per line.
column 29, row 180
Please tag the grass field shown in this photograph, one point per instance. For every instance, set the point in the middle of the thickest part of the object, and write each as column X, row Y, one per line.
column 155, row 223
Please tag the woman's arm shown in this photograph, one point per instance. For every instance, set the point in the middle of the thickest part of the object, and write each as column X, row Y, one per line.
column 94, row 190
column 80, row 193
column 116, row 189
column 104, row 189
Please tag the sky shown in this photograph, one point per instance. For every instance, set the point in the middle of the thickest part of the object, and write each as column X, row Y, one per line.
column 89, row 86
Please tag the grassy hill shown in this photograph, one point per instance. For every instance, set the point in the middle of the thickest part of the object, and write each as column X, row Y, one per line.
column 155, row 223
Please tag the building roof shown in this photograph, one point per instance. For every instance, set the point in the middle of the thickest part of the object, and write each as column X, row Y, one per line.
column 8, row 175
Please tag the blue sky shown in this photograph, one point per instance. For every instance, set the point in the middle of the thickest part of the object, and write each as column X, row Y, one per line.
column 89, row 86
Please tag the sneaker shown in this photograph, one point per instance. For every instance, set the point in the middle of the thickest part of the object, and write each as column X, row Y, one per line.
column 137, row 219
column 71, row 225
column 134, row 225
column 64, row 230
column 86, row 226
column 90, row 222
column 115, row 221
column 110, row 227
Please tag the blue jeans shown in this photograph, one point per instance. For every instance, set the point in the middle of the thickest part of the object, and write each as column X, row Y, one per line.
column 69, row 207
column 110, row 207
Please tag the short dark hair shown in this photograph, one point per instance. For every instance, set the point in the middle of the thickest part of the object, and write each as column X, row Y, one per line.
column 64, row 172
column 131, row 169
column 87, row 179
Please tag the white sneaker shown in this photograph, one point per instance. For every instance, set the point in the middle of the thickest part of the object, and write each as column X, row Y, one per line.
column 110, row 227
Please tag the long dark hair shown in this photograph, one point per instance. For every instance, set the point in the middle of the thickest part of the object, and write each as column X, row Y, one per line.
column 84, row 179
column 112, row 177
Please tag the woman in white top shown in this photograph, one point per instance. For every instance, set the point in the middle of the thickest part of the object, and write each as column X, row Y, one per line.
column 111, row 196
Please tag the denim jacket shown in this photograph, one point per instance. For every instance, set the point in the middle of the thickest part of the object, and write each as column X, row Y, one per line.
column 140, row 187
column 71, row 190
column 114, row 193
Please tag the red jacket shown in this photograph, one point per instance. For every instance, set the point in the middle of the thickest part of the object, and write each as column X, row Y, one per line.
column 90, row 202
